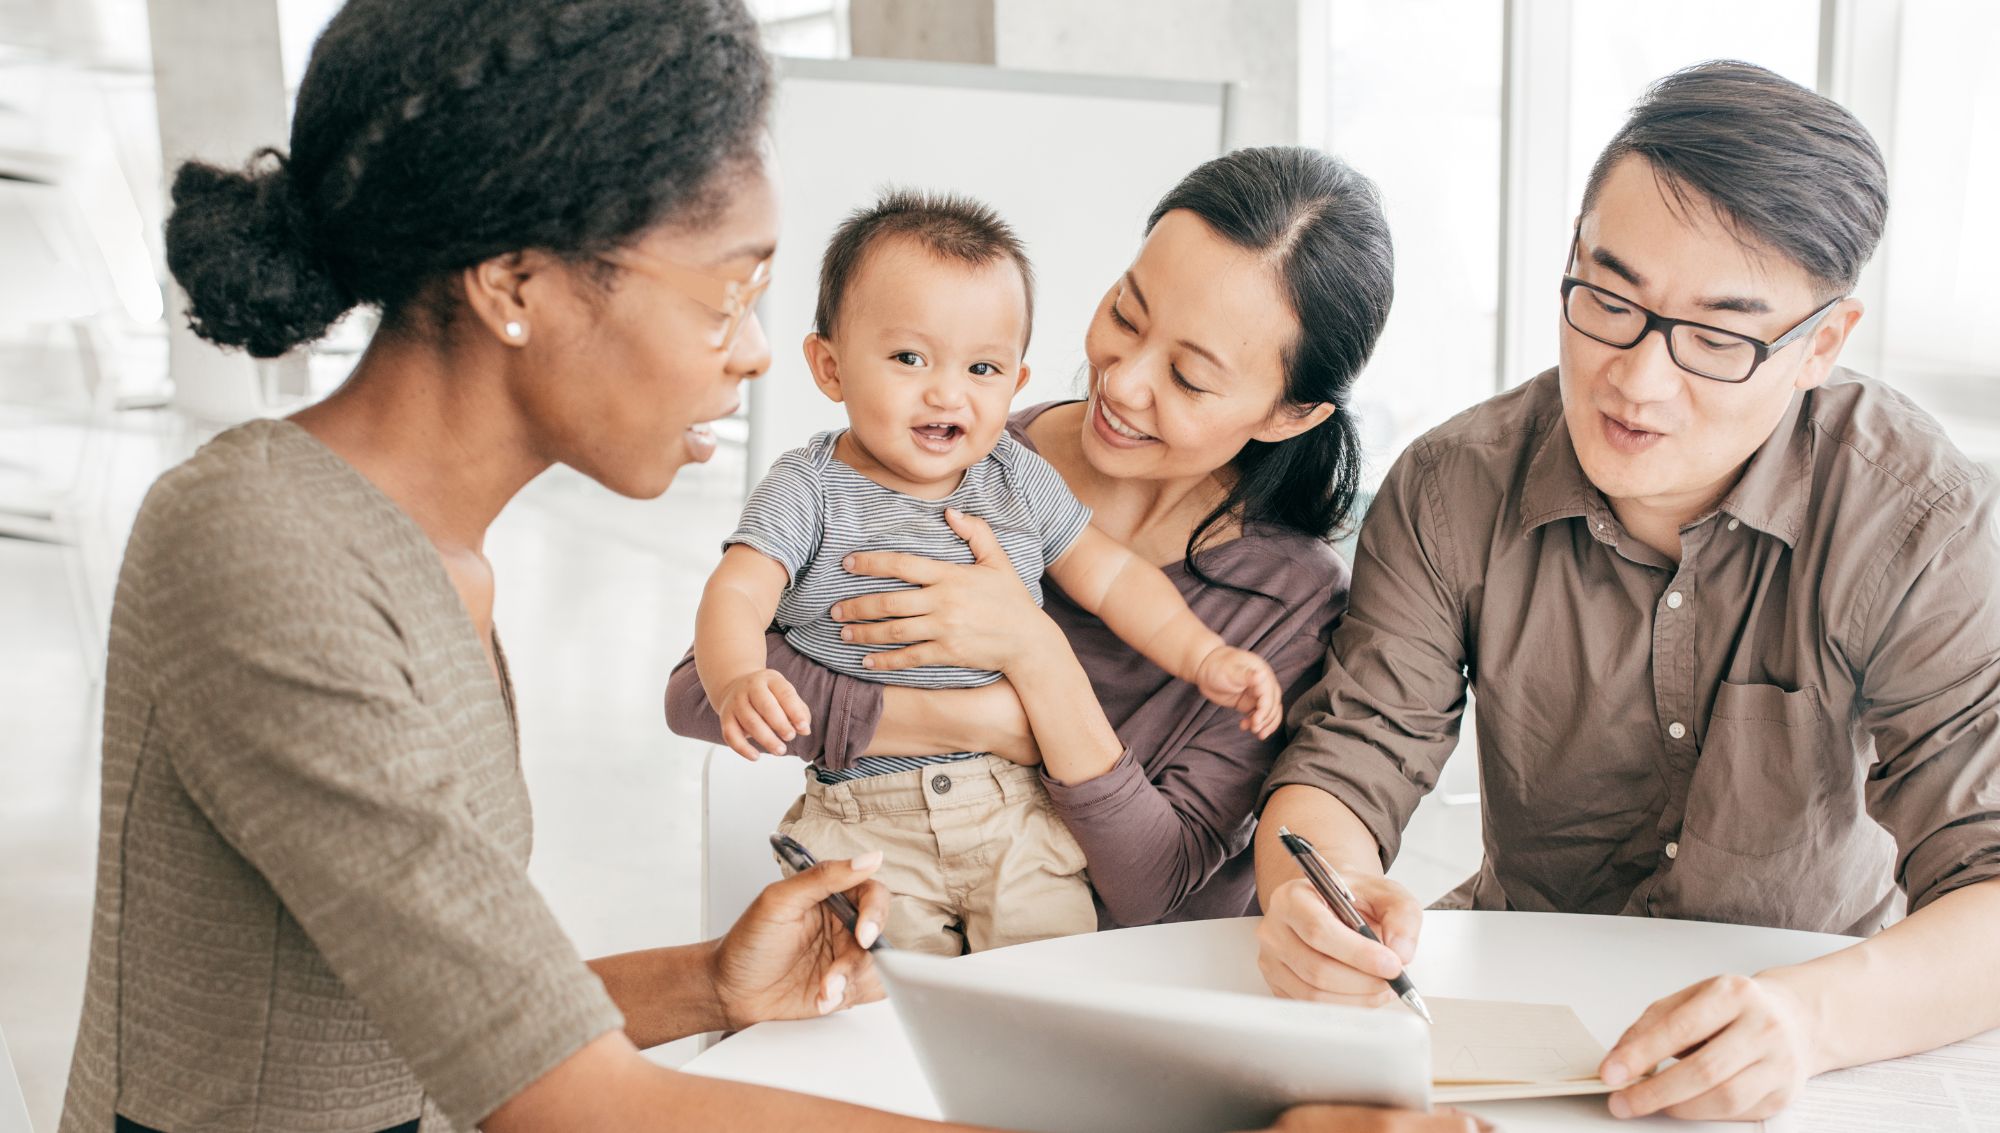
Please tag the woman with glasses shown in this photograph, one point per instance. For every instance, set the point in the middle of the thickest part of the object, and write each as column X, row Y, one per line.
column 313, row 908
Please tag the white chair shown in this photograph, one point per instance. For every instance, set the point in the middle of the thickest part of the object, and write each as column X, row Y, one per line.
column 741, row 804
column 13, row 1107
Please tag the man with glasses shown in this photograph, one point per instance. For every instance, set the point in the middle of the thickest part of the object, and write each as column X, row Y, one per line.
column 1728, row 613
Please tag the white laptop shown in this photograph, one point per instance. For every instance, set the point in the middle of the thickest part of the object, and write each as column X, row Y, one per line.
column 1017, row 1048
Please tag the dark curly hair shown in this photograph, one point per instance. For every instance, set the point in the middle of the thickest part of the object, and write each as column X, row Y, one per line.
column 1319, row 223
column 430, row 137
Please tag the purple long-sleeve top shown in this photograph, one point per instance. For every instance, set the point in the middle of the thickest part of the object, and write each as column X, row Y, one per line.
column 1167, row 829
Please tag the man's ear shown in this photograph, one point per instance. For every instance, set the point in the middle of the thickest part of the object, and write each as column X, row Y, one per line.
column 1824, row 344
column 825, row 365
column 501, row 294
column 1290, row 422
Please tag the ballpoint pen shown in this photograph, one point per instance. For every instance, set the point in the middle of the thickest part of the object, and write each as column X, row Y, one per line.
column 801, row 860
column 1341, row 898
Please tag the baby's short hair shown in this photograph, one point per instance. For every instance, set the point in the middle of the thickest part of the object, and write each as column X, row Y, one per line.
column 948, row 225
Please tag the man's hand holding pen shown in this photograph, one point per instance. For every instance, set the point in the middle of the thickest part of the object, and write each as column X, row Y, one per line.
column 1306, row 953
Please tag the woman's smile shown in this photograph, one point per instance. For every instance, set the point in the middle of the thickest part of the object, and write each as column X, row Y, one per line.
column 1113, row 429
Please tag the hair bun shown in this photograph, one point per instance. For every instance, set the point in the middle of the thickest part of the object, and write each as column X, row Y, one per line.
column 240, row 244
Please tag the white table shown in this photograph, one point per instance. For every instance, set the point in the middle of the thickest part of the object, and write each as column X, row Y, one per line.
column 1607, row 968
column 13, row 1108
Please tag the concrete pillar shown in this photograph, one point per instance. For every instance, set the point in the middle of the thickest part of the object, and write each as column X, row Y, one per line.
column 943, row 31
column 218, row 76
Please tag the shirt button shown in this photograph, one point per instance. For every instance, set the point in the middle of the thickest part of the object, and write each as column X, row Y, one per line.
column 1674, row 729
column 942, row 783
column 1733, row 524
column 1673, row 850
column 1674, row 600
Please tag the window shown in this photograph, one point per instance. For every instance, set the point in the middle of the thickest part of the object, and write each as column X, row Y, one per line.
column 1481, row 154
column 1442, row 197
column 1575, row 71
column 1931, row 292
column 812, row 29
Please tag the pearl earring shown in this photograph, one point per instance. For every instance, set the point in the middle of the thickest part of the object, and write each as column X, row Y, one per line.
column 514, row 330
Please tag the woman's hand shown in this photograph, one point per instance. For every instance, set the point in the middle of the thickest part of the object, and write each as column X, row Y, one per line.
column 789, row 957
column 977, row 615
column 1305, row 952
column 1744, row 1046
column 1364, row 1119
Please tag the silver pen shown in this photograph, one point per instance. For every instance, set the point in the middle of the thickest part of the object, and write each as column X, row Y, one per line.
column 1341, row 899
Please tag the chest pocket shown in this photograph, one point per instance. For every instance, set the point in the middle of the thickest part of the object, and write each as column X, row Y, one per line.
column 1761, row 783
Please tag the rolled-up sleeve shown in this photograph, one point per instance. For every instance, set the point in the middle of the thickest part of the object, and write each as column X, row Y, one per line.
column 1376, row 730
column 845, row 710
column 298, row 730
column 1930, row 697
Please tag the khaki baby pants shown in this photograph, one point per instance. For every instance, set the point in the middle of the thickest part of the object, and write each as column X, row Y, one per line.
column 972, row 851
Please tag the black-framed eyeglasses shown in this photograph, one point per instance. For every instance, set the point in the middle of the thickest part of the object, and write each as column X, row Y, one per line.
column 1705, row 351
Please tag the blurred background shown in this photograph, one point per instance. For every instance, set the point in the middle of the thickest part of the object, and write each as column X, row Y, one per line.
column 1478, row 119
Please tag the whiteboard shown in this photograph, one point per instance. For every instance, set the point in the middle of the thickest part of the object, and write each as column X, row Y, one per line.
column 1074, row 162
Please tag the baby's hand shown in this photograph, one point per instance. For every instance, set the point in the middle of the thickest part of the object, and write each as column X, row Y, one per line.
column 758, row 709
column 1239, row 679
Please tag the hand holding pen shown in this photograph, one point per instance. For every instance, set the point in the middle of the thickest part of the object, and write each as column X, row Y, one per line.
column 1338, row 897
column 787, row 958
column 799, row 859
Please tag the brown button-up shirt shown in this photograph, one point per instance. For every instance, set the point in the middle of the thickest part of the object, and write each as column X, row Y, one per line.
column 1798, row 718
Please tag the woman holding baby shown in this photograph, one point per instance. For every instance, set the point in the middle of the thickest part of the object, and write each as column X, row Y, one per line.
column 1215, row 443
column 313, row 907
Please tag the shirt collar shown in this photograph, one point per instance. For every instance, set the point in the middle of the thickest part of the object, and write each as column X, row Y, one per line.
column 1556, row 487
column 1771, row 495
column 1776, row 486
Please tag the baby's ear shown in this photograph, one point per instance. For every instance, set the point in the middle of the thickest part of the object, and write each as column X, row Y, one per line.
column 824, row 364
column 1021, row 382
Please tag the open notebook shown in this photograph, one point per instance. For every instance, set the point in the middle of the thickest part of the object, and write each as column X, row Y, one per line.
column 1489, row 1050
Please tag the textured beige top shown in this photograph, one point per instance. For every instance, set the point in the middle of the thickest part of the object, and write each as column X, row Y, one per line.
column 1796, row 725
column 313, row 908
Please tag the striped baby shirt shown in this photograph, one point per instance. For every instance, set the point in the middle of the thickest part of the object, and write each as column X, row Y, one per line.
column 812, row 510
